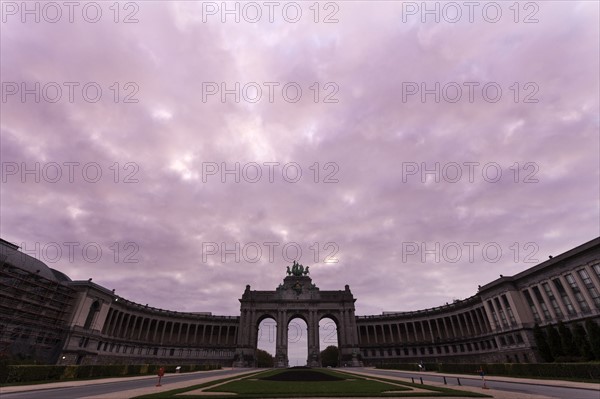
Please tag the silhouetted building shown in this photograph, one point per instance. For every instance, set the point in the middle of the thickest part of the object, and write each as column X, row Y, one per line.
column 47, row 317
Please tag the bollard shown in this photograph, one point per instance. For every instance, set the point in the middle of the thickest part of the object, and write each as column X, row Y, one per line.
column 421, row 378
column 458, row 380
column 412, row 379
column 445, row 383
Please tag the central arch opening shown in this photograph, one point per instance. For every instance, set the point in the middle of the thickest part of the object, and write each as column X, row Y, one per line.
column 297, row 342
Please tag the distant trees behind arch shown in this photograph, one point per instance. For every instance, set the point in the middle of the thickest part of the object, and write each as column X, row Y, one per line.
column 264, row 359
column 330, row 356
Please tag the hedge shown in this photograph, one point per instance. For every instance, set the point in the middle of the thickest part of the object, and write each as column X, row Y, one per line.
column 586, row 371
column 35, row 373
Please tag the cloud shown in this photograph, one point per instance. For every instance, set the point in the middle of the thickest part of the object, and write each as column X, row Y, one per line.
column 168, row 198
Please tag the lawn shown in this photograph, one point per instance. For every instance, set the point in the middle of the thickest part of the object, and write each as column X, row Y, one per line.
column 293, row 382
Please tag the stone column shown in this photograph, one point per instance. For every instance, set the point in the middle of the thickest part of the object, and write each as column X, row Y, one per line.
column 584, row 290
column 281, row 359
column 495, row 322
column 477, row 321
column 438, row 330
column 141, row 329
column 465, row 321
column 344, row 330
column 537, row 305
column 313, row 340
column 430, row 330
column 115, row 325
column 162, row 335
column 422, row 327
column 557, row 297
column 502, row 311
column 446, row 330
column 179, row 332
column 155, row 331
column 212, row 333
column 485, row 319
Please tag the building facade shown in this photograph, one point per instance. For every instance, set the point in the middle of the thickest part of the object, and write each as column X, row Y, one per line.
column 46, row 316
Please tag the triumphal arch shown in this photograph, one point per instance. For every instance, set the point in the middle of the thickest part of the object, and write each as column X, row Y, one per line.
column 297, row 297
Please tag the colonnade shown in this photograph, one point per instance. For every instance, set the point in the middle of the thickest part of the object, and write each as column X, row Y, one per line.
column 378, row 330
column 128, row 326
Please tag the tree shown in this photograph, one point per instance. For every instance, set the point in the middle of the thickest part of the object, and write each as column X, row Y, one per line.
column 593, row 333
column 264, row 359
column 581, row 341
column 566, row 340
column 330, row 356
column 542, row 344
column 553, row 339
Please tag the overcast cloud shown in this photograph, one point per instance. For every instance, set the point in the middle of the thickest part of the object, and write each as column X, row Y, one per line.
column 367, row 209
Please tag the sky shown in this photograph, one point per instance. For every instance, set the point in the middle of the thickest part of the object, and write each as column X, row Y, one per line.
column 410, row 150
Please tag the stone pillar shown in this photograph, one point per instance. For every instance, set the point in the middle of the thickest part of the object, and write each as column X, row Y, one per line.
column 397, row 328
column 494, row 321
column 485, row 319
column 430, row 330
column 314, row 358
column 438, row 330
column 501, row 309
column 583, row 289
column 557, row 297
column 154, row 330
column 115, row 325
column 281, row 359
column 514, row 306
column 246, row 341
column 537, row 305
column 344, row 330
column 477, row 321
column 452, row 327
column 446, row 330
column 465, row 322
column 480, row 322
column 171, row 330
column 178, row 339
column 140, row 331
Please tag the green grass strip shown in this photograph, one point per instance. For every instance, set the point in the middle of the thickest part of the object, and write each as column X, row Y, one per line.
column 249, row 386
column 173, row 392
column 450, row 391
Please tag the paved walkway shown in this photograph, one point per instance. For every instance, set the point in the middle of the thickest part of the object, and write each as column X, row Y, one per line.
column 205, row 376
column 497, row 394
column 552, row 383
